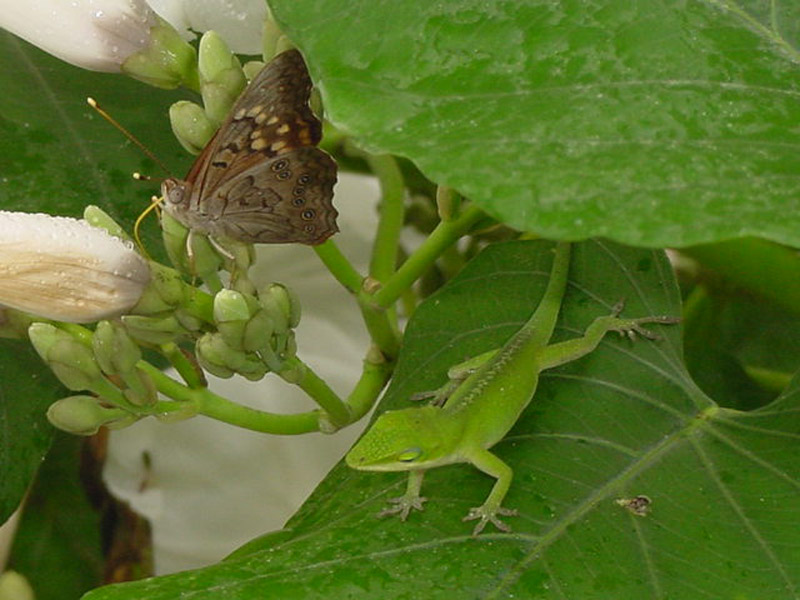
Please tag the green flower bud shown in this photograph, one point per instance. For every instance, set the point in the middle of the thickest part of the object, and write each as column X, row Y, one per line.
column 14, row 586
column 97, row 217
column 216, row 357
column 231, row 314
column 252, row 68
column 188, row 321
column 153, row 330
column 82, row 415
column 165, row 291
column 114, row 350
column 289, row 302
column 270, row 36
column 221, row 76
column 71, row 361
column 191, row 125
column 230, row 305
column 43, row 336
column 282, row 307
column 175, row 235
column 253, row 368
column 191, row 253
column 141, row 390
column 167, row 61
column 258, row 332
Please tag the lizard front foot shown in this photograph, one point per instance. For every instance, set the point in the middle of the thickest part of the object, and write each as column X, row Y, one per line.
column 402, row 506
column 488, row 514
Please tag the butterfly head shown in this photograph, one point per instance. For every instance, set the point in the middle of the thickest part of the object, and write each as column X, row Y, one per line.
column 174, row 192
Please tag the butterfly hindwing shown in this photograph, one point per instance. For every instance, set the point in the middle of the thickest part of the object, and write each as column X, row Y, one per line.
column 293, row 190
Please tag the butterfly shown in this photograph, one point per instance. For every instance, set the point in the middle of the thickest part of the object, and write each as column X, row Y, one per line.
column 261, row 179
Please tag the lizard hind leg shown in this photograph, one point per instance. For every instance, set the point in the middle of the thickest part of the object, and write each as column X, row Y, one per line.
column 436, row 397
column 631, row 327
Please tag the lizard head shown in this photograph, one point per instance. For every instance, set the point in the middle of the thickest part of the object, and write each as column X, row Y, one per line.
column 403, row 440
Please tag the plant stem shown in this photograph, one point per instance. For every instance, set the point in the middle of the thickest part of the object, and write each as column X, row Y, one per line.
column 382, row 329
column 445, row 234
column 301, row 375
column 185, row 367
column 374, row 376
column 392, row 213
column 211, row 405
column 339, row 266
column 207, row 403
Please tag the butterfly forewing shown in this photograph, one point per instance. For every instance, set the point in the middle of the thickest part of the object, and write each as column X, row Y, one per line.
column 262, row 179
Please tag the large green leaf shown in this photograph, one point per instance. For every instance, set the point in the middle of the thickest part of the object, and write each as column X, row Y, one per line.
column 26, row 390
column 622, row 422
column 655, row 124
column 57, row 156
column 57, row 546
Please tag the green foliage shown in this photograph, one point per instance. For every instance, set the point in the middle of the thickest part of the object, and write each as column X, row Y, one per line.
column 626, row 420
column 57, row 547
column 652, row 124
column 57, row 157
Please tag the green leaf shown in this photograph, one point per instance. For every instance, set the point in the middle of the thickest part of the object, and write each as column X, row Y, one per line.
column 621, row 422
column 57, row 156
column 27, row 388
column 650, row 123
column 57, row 545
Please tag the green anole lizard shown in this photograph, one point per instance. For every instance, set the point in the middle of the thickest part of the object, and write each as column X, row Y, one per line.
column 482, row 403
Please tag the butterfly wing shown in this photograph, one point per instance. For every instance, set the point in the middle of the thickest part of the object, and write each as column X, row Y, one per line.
column 262, row 179
column 286, row 199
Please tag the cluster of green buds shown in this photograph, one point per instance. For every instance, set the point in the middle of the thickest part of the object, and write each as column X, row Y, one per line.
column 254, row 333
column 104, row 363
column 170, row 310
column 237, row 330
column 222, row 79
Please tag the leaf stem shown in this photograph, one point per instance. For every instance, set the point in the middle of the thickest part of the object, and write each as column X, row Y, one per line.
column 375, row 374
column 181, row 363
column 300, row 374
column 392, row 213
column 445, row 234
column 207, row 403
column 339, row 266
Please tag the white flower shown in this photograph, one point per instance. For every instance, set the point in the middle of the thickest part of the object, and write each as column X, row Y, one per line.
column 238, row 22
column 93, row 34
column 65, row 269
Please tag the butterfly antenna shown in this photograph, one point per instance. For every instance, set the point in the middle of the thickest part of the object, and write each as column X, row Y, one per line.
column 154, row 202
column 93, row 103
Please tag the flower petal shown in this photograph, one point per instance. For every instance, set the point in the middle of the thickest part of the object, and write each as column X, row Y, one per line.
column 238, row 22
column 65, row 269
column 93, row 34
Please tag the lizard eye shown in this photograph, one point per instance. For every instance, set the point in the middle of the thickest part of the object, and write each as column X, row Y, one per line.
column 409, row 455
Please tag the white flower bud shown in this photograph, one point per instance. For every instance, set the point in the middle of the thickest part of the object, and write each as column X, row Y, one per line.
column 93, row 34
column 65, row 269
